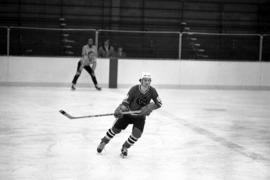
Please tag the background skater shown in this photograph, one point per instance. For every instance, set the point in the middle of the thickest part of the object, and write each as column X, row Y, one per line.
column 89, row 64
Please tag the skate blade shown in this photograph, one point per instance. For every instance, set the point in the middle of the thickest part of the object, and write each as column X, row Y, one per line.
column 123, row 156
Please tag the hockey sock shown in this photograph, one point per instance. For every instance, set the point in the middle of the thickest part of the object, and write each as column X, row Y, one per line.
column 130, row 141
column 109, row 135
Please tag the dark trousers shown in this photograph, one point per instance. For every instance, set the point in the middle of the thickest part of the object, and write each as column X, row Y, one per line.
column 137, row 121
column 88, row 69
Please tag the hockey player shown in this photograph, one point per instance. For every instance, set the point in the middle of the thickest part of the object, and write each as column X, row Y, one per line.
column 89, row 64
column 138, row 98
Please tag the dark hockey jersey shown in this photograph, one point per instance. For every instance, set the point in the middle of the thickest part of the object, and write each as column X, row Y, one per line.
column 136, row 99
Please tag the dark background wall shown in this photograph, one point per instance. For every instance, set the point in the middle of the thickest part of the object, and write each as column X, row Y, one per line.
column 210, row 16
column 222, row 16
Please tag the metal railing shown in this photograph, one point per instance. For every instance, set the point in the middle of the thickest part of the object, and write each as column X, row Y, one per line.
column 28, row 41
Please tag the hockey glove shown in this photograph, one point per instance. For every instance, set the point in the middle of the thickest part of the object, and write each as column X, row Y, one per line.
column 146, row 110
column 118, row 111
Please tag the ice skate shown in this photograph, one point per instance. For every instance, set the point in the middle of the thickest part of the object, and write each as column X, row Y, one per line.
column 73, row 88
column 101, row 146
column 98, row 87
column 124, row 152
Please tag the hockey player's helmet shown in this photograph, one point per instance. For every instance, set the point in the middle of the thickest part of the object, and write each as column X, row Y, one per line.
column 145, row 75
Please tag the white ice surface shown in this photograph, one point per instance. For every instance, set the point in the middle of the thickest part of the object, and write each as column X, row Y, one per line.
column 196, row 135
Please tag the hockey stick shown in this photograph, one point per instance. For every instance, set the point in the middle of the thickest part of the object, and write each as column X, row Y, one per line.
column 96, row 115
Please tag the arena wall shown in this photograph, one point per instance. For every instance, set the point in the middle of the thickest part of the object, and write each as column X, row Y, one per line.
column 166, row 73
column 46, row 71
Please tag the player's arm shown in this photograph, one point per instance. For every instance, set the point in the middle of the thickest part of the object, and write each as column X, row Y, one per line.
column 158, row 102
column 146, row 110
column 124, row 106
column 84, row 52
column 96, row 51
column 94, row 65
column 129, row 97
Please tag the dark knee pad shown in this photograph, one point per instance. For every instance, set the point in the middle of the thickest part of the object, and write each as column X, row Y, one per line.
column 136, row 133
column 115, row 130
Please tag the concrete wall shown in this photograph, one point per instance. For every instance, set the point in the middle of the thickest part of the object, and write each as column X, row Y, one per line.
column 167, row 73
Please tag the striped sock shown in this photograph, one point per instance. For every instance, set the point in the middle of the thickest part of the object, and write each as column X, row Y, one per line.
column 130, row 141
column 110, row 134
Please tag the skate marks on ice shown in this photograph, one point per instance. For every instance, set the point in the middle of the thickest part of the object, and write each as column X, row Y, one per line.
column 231, row 145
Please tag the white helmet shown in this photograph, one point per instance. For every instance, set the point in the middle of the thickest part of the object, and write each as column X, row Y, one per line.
column 145, row 75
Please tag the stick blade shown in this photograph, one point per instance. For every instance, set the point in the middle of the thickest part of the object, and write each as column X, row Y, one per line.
column 66, row 114
column 62, row 111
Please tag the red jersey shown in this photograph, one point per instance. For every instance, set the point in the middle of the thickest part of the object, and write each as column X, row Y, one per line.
column 136, row 99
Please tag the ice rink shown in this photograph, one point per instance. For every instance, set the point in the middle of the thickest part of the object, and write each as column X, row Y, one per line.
column 197, row 135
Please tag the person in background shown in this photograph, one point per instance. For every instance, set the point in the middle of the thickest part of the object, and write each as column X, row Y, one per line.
column 88, row 63
column 89, row 47
column 120, row 52
column 104, row 51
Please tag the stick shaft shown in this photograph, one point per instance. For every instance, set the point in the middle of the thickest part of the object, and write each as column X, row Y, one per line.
column 89, row 116
column 96, row 115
